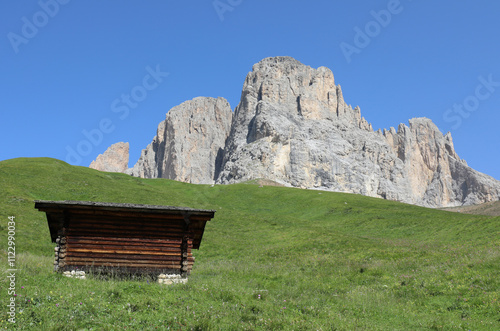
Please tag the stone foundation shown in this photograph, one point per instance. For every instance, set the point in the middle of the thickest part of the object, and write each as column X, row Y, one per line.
column 59, row 252
column 75, row 274
column 171, row 279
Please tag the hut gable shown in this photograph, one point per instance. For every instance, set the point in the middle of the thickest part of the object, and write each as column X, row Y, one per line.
column 124, row 238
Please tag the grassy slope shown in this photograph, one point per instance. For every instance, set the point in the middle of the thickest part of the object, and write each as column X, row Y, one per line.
column 272, row 258
column 489, row 208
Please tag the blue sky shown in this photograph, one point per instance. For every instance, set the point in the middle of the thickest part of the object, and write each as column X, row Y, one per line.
column 66, row 65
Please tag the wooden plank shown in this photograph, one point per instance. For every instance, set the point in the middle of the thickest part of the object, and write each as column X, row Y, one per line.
column 127, row 214
column 127, row 257
column 118, row 247
column 122, row 262
column 122, row 235
column 145, row 245
column 116, row 265
column 124, row 256
column 111, row 251
column 137, row 233
column 128, row 240
column 136, row 230
column 128, row 225
column 112, row 219
column 152, row 214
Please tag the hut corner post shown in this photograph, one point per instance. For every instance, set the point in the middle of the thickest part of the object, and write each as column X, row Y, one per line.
column 185, row 270
column 186, row 248
column 60, row 249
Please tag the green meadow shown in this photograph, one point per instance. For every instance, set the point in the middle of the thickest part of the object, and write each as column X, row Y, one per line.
column 273, row 258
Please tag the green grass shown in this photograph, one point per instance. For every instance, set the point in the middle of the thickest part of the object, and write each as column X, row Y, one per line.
column 272, row 258
column 488, row 208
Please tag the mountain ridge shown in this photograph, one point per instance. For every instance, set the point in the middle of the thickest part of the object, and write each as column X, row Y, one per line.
column 293, row 126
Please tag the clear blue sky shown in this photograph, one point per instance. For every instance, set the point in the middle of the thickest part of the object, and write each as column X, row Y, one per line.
column 66, row 64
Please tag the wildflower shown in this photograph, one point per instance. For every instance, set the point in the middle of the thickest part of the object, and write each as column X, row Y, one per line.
column 57, row 305
column 22, row 286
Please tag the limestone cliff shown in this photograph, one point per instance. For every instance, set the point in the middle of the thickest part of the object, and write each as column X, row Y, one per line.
column 114, row 159
column 189, row 143
column 293, row 126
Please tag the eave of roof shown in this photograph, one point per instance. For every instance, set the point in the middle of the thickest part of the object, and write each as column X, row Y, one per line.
column 153, row 209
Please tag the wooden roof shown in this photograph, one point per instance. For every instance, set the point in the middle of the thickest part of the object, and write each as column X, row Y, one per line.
column 59, row 212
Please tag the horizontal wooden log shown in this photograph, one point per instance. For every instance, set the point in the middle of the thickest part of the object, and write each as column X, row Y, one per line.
column 114, row 265
column 126, row 256
column 121, row 247
column 125, row 215
column 115, row 234
column 128, row 214
column 130, row 256
column 125, row 251
column 132, row 246
column 99, row 220
column 130, row 227
column 127, row 233
column 121, row 262
column 124, row 234
column 131, row 241
column 173, row 215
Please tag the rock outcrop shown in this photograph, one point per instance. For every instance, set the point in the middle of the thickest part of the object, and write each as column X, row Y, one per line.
column 292, row 126
column 114, row 159
column 189, row 143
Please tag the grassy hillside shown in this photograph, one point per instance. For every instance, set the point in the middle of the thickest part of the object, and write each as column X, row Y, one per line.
column 489, row 209
column 272, row 258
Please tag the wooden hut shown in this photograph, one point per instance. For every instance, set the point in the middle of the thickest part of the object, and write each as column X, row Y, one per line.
column 124, row 238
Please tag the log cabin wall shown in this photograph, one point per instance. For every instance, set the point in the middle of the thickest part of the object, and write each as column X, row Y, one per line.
column 124, row 239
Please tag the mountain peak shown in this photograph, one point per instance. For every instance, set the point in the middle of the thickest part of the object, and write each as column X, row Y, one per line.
column 114, row 159
column 292, row 126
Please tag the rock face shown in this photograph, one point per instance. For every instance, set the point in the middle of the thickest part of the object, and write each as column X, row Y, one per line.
column 293, row 126
column 189, row 143
column 114, row 159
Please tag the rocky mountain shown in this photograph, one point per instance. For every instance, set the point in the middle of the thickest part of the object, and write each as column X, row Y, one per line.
column 189, row 143
column 114, row 159
column 292, row 126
